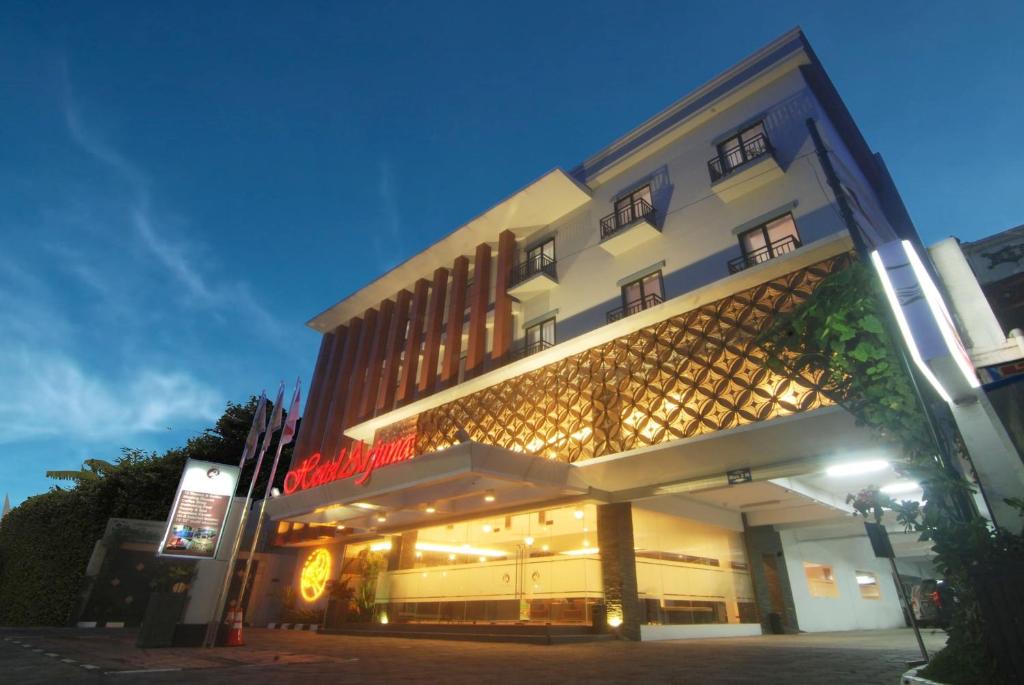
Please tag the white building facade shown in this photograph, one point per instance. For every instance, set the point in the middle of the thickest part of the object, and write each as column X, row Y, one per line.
column 557, row 413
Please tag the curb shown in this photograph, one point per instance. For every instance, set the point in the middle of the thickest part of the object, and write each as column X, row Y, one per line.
column 307, row 627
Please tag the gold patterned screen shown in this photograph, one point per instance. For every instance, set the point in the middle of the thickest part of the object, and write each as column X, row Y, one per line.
column 691, row 374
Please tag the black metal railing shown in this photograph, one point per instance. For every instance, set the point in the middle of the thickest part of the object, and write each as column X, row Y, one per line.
column 645, row 302
column 537, row 264
column 729, row 159
column 524, row 351
column 626, row 216
column 763, row 254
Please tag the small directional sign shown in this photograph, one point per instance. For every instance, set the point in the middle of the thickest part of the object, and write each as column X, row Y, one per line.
column 739, row 476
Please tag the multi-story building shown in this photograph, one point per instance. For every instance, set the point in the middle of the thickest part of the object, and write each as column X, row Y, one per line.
column 559, row 409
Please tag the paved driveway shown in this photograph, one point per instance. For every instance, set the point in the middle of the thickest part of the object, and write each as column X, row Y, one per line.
column 65, row 655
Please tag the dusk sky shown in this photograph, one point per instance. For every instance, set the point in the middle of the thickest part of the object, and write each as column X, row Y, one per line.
column 184, row 185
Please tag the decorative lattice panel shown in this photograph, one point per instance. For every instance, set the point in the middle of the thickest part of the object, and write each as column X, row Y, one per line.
column 691, row 374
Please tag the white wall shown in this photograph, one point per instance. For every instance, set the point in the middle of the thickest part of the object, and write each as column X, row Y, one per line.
column 698, row 228
column 848, row 611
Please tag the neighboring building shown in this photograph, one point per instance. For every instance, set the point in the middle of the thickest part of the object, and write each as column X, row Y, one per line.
column 566, row 407
column 983, row 282
column 998, row 262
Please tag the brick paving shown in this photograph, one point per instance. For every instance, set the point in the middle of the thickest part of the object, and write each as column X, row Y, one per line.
column 274, row 656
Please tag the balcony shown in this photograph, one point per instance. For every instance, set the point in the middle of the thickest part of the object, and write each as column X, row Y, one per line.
column 737, row 171
column 633, row 307
column 782, row 246
column 524, row 351
column 535, row 275
column 628, row 227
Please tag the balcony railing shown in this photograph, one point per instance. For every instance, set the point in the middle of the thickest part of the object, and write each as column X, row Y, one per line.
column 538, row 264
column 626, row 216
column 781, row 246
column 526, row 350
column 728, row 160
column 646, row 302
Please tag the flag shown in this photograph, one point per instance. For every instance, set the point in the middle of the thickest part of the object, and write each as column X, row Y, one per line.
column 293, row 414
column 275, row 416
column 259, row 422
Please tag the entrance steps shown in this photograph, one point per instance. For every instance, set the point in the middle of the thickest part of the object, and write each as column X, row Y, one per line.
column 475, row 632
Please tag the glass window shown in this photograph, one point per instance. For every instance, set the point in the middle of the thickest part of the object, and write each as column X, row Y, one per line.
column 748, row 144
column 820, row 581
column 541, row 254
column 867, row 582
column 541, row 335
column 631, row 207
column 644, row 292
column 770, row 239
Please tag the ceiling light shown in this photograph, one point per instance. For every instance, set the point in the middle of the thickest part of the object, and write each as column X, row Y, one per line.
column 363, row 505
column 340, row 527
column 430, row 509
column 486, row 528
column 578, row 514
column 544, row 548
column 894, row 488
column 528, row 540
column 489, row 496
column 381, row 518
column 856, row 468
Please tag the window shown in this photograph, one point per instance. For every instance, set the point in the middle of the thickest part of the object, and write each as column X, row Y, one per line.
column 770, row 239
column 540, row 336
column 820, row 580
column 633, row 206
column 540, row 256
column 867, row 582
column 644, row 292
column 748, row 144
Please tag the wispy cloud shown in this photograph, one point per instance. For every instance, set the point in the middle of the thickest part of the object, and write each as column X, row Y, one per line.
column 50, row 395
column 387, row 244
column 173, row 252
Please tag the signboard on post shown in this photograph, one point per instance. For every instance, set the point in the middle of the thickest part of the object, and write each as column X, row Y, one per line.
column 195, row 525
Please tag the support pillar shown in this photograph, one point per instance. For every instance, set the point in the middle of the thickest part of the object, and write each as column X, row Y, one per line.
column 502, row 300
column 618, row 566
column 479, row 299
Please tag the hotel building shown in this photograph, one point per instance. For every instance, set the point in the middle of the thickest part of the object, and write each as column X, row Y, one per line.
column 557, row 414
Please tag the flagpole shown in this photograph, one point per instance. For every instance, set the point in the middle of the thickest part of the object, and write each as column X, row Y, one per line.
column 213, row 625
column 270, row 484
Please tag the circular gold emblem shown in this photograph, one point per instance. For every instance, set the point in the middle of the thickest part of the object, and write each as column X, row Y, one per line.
column 315, row 573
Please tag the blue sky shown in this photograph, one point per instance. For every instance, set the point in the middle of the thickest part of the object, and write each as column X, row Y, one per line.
column 183, row 185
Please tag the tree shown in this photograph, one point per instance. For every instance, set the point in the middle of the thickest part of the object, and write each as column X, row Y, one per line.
column 45, row 542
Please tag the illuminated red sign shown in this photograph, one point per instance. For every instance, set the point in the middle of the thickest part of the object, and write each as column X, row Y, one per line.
column 313, row 471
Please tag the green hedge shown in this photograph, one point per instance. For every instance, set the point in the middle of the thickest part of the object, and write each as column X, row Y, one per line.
column 46, row 542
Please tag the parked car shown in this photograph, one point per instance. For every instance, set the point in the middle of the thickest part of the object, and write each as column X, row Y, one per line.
column 933, row 601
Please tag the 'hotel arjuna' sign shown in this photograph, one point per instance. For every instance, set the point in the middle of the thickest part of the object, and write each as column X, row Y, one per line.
column 362, row 461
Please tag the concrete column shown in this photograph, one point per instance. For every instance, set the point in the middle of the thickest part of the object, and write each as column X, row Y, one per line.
column 393, row 352
column 331, row 428
column 769, row 577
column 479, row 299
column 432, row 336
column 456, row 313
column 502, row 300
column 376, row 360
column 407, row 376
column 618, row 566
column 317, row 385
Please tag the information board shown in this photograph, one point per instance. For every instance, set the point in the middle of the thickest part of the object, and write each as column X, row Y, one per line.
column 196, row 522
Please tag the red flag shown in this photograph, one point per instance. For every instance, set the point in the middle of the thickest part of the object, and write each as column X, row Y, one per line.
column 293, row 414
